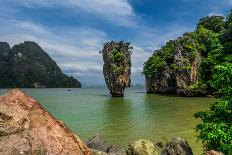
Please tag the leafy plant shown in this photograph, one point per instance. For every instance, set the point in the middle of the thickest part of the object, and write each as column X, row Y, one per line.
column 215, row 131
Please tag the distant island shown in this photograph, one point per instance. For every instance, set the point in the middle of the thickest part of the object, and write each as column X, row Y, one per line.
column 27, row 65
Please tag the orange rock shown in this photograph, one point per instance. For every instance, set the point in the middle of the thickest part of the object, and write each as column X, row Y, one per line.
column 27, row 128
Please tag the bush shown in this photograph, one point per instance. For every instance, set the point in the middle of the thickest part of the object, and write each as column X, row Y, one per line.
column 215, row 131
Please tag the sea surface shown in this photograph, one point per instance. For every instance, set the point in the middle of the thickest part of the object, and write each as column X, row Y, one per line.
column 138, row 115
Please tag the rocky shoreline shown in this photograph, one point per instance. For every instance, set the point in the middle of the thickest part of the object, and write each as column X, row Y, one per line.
column 27, row 128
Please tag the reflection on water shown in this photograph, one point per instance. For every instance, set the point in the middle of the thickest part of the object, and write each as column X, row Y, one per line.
column 137, row 115
column 118, row 118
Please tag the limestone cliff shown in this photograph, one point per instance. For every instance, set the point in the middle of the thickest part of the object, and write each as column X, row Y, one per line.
column 175, row 68
column 27, row 128
column 117, row 66
column 27, row 65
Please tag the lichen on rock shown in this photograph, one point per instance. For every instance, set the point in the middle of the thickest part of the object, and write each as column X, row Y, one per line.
column 141, row 147
column 117, row 66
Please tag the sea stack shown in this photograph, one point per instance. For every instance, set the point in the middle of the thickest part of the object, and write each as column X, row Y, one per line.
column 117, row 66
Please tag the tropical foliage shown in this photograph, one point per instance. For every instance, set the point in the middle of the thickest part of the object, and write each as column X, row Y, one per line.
column 216, row 129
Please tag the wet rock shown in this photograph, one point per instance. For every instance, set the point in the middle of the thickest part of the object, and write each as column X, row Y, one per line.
column 141, row 147
column 177, row 146
column 27, row 128
column 212, row 152
column 99, row 144
column 117, row 66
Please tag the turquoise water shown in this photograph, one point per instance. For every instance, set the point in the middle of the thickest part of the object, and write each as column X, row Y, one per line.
column 137, row 115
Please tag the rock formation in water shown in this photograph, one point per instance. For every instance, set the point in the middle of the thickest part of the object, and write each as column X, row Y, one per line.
column 26, row 66
column 185, row 66
column 27, row 128
column 117, row 66
column 175, row 68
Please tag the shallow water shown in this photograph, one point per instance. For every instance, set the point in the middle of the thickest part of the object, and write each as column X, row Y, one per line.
column 137, row 115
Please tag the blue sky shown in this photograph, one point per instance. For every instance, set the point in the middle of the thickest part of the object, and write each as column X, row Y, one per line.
column 73, row 32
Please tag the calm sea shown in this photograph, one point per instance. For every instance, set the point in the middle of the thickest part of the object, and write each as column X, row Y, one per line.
column 154, row 117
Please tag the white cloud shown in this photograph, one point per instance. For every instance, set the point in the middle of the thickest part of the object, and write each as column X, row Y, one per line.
column 118, row 11
column 73, row 49
column 215, row 14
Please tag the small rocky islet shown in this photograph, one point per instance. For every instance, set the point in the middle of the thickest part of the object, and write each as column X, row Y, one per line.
column 117, row 66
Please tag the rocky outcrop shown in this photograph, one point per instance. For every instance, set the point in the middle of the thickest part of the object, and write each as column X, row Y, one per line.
column 27, row 128
column 117, row 66
column 141, row 147
column 99, row 145
column 177, row 146
column 178, row 72
column 27, row 65
column 161, row 83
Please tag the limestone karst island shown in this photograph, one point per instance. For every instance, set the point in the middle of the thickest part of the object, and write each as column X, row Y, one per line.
column 116, row 77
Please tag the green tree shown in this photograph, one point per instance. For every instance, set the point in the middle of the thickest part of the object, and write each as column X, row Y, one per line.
column 214, row 23
column 215, row 131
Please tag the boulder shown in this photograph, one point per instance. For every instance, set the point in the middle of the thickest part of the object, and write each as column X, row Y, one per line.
column 177, row 146
column 101, row 146
column 141, row 147
column 27, row 128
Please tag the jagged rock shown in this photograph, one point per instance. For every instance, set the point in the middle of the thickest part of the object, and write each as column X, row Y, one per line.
column 161, row 83
column 27, row 128
column 177, row 146
column 212, row 152
column 185, row 77
column 27, row 65
column 117, row 67
column 141, row 147
column 99, row 144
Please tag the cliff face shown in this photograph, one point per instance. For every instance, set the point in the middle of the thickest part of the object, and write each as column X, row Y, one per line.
column 177, row 68
column 117, row 67
column 27, row 128
column 161, row 82
column 27, row 65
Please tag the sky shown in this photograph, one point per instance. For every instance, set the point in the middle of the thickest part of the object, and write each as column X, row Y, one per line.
column 73, row 32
